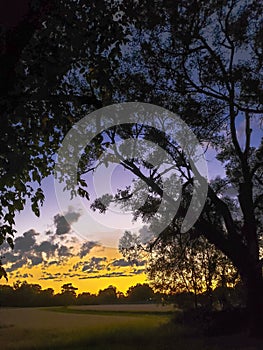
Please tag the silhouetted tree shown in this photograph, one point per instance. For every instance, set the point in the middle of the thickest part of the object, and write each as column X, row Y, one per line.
column 53, row 64
column 6, row 296
column 26, row 294
column 141, row 293
column 67, row 295
column 181, row 264
column 203, row 60
column 107, row 295
column 86, row 298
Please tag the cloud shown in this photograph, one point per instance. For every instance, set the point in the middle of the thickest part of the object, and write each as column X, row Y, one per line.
column 124, row 263
column 17, row 265
column 106, row 275
column 4, row 247
column 63, row 222
column 47, row 247
column 36, row 260
column 94, row 265
column 74, row 275
column 50, row 276
column 140, row 262
column 121, row 263
column 24, row 275
column 50, row 263
column 72, row 216
column 28, row 253
column 26, row 242
column 86, row 248
column 62, row 226
column 63, row 250
column 138, row 272
column 10, row 257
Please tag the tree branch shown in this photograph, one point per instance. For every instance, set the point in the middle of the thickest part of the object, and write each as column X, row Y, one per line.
column 80, row 100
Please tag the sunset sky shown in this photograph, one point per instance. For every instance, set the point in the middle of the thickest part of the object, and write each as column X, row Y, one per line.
column 83, row 249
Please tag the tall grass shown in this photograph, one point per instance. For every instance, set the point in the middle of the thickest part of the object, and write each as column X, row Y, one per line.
column 44, row 329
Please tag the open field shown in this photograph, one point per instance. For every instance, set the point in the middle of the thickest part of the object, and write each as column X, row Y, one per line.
column 122, row 327
column 154, row 308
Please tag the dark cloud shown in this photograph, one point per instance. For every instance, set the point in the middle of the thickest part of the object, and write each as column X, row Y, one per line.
column 121, row 263
column 26, row 242
column 53, row 262
column 94, row 265
column 86, row 248
column 28, row 253
column 107, row 275
column 50, row 276
column 62, row 226
column 140, row 262
column 10, row 257
column 4, row 247
column 36, row 260
column 125, row 263
column 26, row 275
column 63, row 250
column 17, row 265
column 47, row 247
column 74, row 275
column 72, row 240
column 63, row 222
column 22, row 275
column 138, row 272
column 113, row 274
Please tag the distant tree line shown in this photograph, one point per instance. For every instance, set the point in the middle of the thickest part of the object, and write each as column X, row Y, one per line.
column 26, row 294
column 23, row 294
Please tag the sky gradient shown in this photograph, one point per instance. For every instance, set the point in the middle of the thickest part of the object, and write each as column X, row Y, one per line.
column 83, row 249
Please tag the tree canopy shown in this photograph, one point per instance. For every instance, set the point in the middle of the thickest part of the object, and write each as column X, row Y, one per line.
column 200, row 59
column 52, row 60
column 203, row 60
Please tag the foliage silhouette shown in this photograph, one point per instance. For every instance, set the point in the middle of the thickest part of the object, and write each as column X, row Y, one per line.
column 200, row 59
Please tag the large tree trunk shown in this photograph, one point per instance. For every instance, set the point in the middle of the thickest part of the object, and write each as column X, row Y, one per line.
column 253, row 281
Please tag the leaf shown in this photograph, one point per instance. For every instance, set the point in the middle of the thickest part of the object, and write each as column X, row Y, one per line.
column 9, row 218
column 10, row 242
column 83, row 193
column 36, row 176
column 35, row 208
column 3, row 273
column 18, row 205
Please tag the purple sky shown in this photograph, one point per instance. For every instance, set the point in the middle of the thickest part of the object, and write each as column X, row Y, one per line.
column 107, row 227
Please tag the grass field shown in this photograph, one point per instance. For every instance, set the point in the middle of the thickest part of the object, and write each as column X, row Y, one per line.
column 107, row 327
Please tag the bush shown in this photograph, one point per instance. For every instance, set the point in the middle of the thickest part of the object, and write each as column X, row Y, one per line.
column 214, row 323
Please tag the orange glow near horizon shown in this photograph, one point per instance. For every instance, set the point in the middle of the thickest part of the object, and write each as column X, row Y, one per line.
column 69, row 271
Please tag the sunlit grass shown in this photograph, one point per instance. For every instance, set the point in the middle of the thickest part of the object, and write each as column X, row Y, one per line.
column 49, row 328
column 37, row 328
